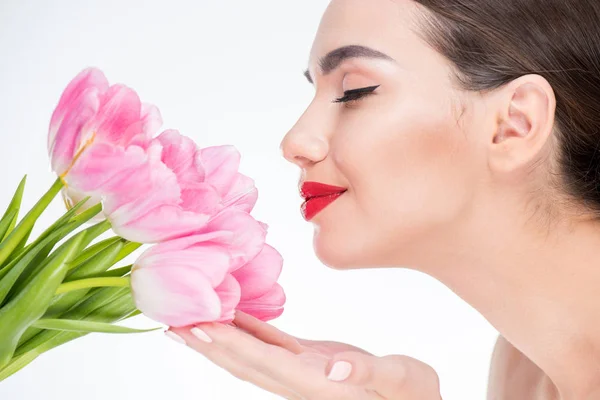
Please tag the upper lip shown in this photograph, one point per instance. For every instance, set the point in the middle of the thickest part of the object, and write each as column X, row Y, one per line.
column 309, row 190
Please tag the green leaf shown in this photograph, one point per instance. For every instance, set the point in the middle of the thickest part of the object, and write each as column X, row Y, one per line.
column 94, row 267
column 6, row 224
column 97, row 264
column 35, row 266
column 30, row 303
column 13, row 207
column 18, row 363
column 70, row 325
column 16, row 268
column 92, row 301
column 63, row 220
column 93, row 231
column 92, row 283
column 99, row 300
column 28, row 263
column 68, row 220
column 93, row 250
column 59, row 224
column 117, row 272
column 134, row 314
column 9, row 244
column 106, row 305
column 129, row 248
column 52, row 339
column 19, row 248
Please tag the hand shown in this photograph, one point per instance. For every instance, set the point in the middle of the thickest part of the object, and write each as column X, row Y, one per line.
column 297, row 369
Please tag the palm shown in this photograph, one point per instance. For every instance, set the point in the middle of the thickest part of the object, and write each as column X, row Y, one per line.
column 327, row 348
column 294, row 368
column 313, row 353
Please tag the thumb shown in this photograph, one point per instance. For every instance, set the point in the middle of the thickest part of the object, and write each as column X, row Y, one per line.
column 392, row 377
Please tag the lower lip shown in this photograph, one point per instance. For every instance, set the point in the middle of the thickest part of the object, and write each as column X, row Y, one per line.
column 311, row 207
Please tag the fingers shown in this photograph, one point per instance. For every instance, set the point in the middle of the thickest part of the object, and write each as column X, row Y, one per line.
column 266, row 332
column 278, row 363
column 229, row 362
column 392, row 377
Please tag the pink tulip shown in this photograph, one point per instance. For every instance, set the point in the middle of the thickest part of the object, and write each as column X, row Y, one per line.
column 205, row 277
column 176, row 190
column 261, row 295
column 211, row 257
column 91, row 113
column 267, row 307
column 100, row 143
column 221, row 164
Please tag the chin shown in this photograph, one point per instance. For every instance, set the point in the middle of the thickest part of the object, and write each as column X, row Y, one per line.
column 336, row 253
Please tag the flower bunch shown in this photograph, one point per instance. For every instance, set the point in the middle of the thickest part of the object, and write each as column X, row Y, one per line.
column 206, row 254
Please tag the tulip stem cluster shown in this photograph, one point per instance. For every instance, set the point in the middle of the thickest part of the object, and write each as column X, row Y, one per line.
column 59, row 286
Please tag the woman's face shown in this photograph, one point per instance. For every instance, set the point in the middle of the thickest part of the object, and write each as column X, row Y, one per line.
column 401, row 146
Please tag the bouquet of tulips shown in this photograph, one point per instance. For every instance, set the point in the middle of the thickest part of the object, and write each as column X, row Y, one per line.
column 206, row 255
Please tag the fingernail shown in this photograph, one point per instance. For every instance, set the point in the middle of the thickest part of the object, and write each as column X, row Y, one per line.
column 201, row 335
column 340, row 372
column 175, row 337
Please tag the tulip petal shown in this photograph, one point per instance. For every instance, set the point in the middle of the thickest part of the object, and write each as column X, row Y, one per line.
column 186, row 242
column 179, row 154
column 163, row 223
column 135, row 191
column 258, row 276
column 175, row 297
column 242, row 194
column 266, row 307
column 90, row 80
column 118, row 120
column 229, row 293
column 151, row 119
column 201, row 198
column 69, row 136
column 248, row 235
column 221, row 164
column 101, row 163
column 211, row 260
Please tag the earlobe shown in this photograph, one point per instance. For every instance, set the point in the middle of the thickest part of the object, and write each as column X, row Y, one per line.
column 525, row 122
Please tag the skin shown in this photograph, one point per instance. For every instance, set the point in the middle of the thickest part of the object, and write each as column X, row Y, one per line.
column 459, row 185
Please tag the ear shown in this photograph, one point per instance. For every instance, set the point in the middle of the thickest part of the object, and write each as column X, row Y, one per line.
column 525, row 114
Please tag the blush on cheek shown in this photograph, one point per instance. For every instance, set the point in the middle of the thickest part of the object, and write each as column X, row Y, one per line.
column 408, row 172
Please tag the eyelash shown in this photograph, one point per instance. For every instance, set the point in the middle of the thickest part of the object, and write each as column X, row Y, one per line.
column 356, row 94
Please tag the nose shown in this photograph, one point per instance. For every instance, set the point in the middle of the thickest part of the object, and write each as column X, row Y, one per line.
column 303, row 145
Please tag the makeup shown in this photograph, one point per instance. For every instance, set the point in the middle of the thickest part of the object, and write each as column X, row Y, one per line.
column 356, row 94
column 317, row 196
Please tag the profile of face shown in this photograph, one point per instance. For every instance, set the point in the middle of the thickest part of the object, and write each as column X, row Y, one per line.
column 389, row 124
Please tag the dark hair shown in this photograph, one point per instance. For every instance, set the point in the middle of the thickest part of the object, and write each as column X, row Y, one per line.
column 492, row 42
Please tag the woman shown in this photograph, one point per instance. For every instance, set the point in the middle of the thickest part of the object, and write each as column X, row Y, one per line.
column 462, row 139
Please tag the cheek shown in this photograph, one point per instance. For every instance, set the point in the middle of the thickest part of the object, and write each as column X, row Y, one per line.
column 411, row 163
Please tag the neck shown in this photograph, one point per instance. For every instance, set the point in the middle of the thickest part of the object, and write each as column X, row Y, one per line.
column 537, row 285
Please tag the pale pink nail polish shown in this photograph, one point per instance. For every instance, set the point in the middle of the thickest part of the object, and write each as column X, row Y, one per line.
column 340, row 372
column 201, row 335
column 175, row 337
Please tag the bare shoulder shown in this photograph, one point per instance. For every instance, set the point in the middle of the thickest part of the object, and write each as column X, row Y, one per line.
column 513, row 376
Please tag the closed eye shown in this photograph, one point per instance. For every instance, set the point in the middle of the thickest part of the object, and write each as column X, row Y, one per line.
column 356, row 94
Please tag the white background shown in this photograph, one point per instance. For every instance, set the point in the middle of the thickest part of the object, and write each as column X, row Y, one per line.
column 222, row 72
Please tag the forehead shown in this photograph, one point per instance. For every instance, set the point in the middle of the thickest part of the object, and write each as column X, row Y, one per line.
column 385, row 25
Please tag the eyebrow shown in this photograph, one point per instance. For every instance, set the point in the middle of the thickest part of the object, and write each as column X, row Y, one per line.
column 334, row 58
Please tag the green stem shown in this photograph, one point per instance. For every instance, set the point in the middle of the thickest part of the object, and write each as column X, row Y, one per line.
column 92, row 283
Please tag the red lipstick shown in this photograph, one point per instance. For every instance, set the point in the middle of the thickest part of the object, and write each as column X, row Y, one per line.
column 318, row 196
